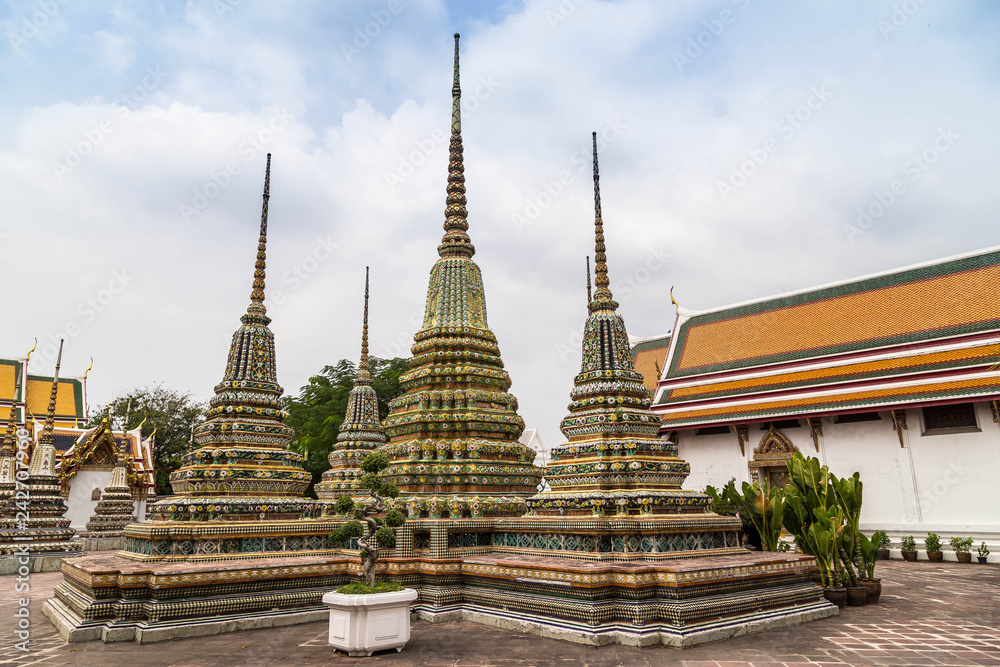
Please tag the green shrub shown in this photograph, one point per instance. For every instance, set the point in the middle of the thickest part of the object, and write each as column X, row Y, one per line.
column 933, row 542
column 881, row 538
column 961, row 545
column 358, row 588
column 908, row 543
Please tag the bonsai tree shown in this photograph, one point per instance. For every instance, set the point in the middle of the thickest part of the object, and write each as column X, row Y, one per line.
column 961, row 545
column 371, row 532
column 933, row 543
column 908, row 543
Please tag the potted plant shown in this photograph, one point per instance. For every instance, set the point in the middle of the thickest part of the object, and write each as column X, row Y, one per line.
column 365, row 616
column 908, row 546
column 983, row 553
column 881, row 538
column 869, row 556
column 933, row 545
column 961, row 547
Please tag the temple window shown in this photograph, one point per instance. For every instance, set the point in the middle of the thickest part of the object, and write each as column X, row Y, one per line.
column 957, row 418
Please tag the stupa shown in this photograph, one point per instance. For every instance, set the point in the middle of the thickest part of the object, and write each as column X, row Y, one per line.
column 115, row 509
column 360, row 432
column 37, row 524
column 238, row 546
column 8, row 464
column 453, row 433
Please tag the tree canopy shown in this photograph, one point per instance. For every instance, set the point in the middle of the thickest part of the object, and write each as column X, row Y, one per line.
column 171, row 413
column 318, row 411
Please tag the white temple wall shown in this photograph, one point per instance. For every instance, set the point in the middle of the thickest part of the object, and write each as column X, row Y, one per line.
column 714, row 459
column 80, row 506
column 945, row 483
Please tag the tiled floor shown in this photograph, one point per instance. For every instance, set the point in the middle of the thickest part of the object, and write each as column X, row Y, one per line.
column 930, row 614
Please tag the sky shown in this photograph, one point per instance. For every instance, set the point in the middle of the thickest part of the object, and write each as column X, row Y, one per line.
column 747, row 148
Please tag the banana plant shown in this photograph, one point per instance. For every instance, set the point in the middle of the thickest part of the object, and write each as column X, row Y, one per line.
column 869, row 554
column 763, row 506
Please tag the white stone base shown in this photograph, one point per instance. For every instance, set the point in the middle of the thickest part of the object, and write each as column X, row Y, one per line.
column 36, row 563
column 679, row 637
column 363, row 624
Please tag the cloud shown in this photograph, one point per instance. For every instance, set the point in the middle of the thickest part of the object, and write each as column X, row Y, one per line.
column 534, row 88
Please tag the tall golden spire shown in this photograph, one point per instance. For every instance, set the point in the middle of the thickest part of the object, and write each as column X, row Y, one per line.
column 363, row 369
column 256, row 310
column 456, row 241
column 603, row 299
column 589, row 296
column 50, row 416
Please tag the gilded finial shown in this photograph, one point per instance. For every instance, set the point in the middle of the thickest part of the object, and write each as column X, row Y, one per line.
column 50, row 415
column 456, row 241
column 88, row 369
column 589, row 296
column 603, row 299
column 140, row 424
column 28, row 358
column 677, row 306
column 256, row 308
column 363, row 368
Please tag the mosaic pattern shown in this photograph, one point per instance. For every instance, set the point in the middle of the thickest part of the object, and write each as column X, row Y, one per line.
column 242, row 469
column 114, row 510
column 37, row 523
column 455, row 407
column 614, row 463
column 360, row 433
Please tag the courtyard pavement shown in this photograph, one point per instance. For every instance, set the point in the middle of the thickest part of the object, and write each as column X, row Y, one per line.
column 929, row 614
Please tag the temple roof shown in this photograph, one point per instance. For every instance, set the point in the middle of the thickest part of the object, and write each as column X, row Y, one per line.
column 648, row 355
column 916, row 335
column 98, row 447
column 70, row 400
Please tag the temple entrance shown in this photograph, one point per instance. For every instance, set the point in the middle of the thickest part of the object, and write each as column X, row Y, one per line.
column 770, row 458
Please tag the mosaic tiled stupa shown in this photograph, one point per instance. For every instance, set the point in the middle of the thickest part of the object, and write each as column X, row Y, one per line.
column 115, row 509
column 360, row 432
column 614, row 463
column 39, row 524
column 8, row 448
column 453, row 432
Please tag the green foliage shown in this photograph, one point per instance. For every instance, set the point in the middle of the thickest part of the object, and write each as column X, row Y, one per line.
column 171, row 413
column 881, row 538
column 720, row 505
column 908, row 543
column 351, row 529
column 932, row 542
column 960, row 544
column 763, row 506
column 358, row 588
column 375, row 463
column 344, row 505
column 318, row 411
column 983, row 551
column 395, row 518
column 869, row 553
column 385, row 538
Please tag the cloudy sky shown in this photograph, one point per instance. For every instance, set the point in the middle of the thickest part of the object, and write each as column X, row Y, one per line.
column 748, row 148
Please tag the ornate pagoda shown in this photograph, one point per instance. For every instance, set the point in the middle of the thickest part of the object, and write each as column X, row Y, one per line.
column 115, row 509
column 613, row 464
column 453, row 433
column 45, row 531
column 360, row 433
column 242, row 468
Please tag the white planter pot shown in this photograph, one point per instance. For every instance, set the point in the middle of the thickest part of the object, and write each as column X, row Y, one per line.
column 361, row 624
